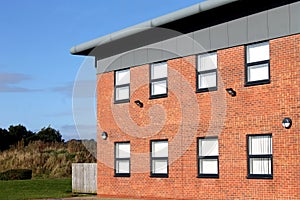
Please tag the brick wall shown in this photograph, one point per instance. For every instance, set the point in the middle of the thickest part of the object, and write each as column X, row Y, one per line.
column 185, row 115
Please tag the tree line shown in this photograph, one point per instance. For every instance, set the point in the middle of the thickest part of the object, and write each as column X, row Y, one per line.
column 19, row 135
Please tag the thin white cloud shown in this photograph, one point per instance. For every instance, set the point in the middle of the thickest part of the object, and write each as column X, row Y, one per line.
column 78, row 89
column 66, row 89
column 9, row 82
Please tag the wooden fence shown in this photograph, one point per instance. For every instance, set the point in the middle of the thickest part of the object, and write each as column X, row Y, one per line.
column 84, row 178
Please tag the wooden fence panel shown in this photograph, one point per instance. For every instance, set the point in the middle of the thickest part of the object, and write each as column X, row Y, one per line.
column 84, row 178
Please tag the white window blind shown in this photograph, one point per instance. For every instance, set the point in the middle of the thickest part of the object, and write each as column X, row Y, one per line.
column 258, row 72
column 159, row 158
column 123, row 150
column 260, row 155
column 160, row 149
column 207, row 71
column 159, row 70
column 122, row 167
column 207, row 61
column 159, row 79
column 208, row 80
column 208, row 156
column 123, row 77
column 258, row 69
column 122, row 158
column 160, row 166
column 122, row 85
column 159, row 87
column 258, row 52
column 122, row 93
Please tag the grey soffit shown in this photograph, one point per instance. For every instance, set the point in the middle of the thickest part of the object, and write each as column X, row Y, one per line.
column 295, row 18
column 266, row 25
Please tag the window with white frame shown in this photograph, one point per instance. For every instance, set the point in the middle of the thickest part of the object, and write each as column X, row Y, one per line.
column 207, row 65
column 159, row 158
column 122, row 86
column 260, row 159
column 122, row 159
column 159, row 80
column 258, row 64
column 208, row 157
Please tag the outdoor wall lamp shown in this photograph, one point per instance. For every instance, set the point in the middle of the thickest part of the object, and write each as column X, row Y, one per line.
column 231, row 92
column 104, row 135
column 139, row 103
column 287, row 123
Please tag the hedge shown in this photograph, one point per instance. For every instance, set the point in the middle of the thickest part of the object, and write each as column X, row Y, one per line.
column 16, row 174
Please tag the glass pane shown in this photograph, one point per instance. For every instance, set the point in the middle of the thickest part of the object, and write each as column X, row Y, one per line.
column 122, row 93
column 122, row 77
column 208, row 166
column 159, row 70
column 159, row 166
column 259, row 145
column 159, row 87
column 123, row 150
column 207, row 80
column 160, row 149
column 207, row 61
column 258, row 72
column 260, row 166
column 258, row 52
column 122, row 166
column 208, row 147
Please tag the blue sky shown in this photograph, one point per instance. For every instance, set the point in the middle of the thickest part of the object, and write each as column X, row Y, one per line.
column 37, row 72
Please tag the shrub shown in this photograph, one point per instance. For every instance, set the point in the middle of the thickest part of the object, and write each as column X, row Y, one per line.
column 16, row 174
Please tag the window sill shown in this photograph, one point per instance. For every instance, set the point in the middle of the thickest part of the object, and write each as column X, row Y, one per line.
column 122, row 175
column 211, row 89
column 258, row 176
column 122, row 101
column 208, row 176
column 158, row 96
column 159, row 176
column 253, row 83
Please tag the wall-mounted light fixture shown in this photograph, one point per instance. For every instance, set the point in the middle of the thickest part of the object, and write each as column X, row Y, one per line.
column 287, row 123
column 104, row 135
column 139, row 103
column 231, row 92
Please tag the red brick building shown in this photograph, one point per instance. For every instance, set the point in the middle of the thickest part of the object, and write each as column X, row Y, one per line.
column 203, row 103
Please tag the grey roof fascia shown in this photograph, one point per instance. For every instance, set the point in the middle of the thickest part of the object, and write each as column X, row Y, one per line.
column 159, row 21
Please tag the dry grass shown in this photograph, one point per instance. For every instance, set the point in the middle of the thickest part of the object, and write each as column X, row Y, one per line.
column 46, row 160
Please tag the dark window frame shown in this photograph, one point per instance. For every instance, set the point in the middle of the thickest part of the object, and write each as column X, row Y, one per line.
column 159, row 175
column 198, row 73
column 247, row 65
column 151, row 81
column 121, row 86
column 121, row 159
column 207, row 157
column 269, row 156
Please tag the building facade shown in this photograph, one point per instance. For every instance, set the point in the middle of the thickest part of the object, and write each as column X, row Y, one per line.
column 203, row 103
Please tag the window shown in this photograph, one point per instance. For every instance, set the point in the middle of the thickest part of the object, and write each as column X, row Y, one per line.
column 207, row 72
column 159, row 159
column 122, row 159
column 258, row 64
column 122, row 86
column 260, row 156
column 159, row 80
column 208, row 157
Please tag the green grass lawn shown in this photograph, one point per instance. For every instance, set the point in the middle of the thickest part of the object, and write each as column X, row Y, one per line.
column 35, row 189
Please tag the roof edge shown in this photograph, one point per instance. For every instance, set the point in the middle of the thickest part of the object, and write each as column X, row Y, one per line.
column 156, row 22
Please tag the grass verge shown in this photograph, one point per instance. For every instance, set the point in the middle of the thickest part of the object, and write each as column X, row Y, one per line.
column 35, row 189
